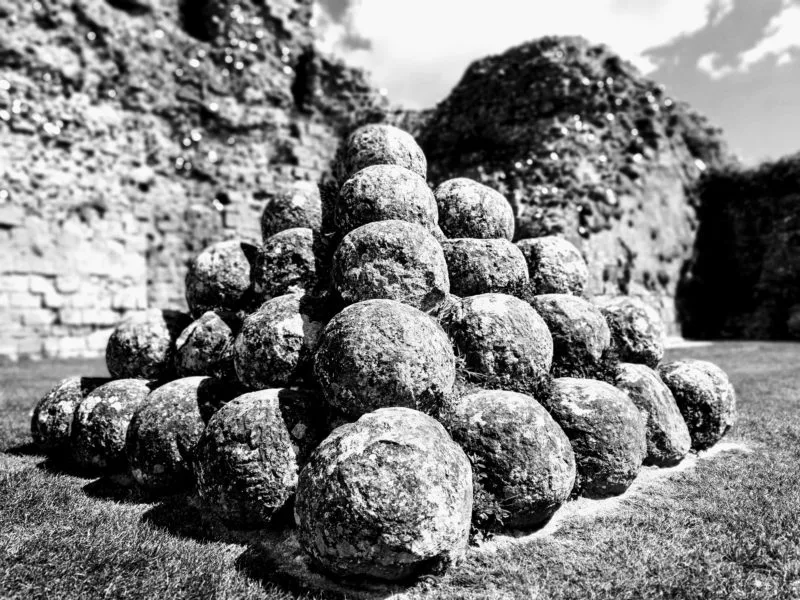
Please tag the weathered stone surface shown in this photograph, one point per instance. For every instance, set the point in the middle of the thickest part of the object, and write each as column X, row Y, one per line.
column 381, row 353
column 389, row 496
column 526, row 459
column 286, row 264
column 298, row 206
column 606, row 431
column 392, row 260
column 51, row 422
column 555, row 265
column 668, row 439
column 143, row 344
column 101, row 424
column 468, row 209
column 221, row 277
column 381, row 145
column 205, row 347
column 484, row 266
column 705, row 398
column 637, row 331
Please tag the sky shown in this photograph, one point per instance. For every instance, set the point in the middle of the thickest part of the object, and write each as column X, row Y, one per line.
column 736, row 61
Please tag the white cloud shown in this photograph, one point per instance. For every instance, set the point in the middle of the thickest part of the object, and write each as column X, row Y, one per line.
column 782, row 36
column 710, row 65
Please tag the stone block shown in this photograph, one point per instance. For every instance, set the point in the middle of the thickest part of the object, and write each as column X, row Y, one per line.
column 102, row 317
column 71, row 316
column 30, row 346
column 24, row 300
column 68, row 284
column 131, row 298
column 39, row 284
column 54, row 300
column 96, row 341
column 38, row 317
column 13, row 283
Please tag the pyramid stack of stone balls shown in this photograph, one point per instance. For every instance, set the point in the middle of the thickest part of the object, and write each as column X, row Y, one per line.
column 374, row 389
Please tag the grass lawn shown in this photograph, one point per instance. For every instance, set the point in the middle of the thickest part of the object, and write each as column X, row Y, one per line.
column 730, row 528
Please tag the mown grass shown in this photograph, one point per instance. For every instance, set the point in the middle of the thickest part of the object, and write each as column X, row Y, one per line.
column 730, row 528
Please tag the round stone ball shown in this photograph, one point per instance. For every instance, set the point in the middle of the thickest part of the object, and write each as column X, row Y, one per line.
column 484, row 266
column 51, row 421
column 101, row 424
column 286, row 263
column 143, row 344
column 220, row 277
column 526, row 459
column 388, row 497
column 637, row 331
column 276, row 343
column 705, row 398
column 555, row 265
column 580, row 333
column 378, row 144
column 668, row 439
column 384, row 193
column 392, row 260
column 381, row 353
column 298, row 206
column 468, row 209
column 502, row 340
column 606, row 431
column 205, row 347
column 245, row 465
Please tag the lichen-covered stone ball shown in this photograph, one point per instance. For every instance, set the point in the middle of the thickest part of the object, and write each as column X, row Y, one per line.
column 221, row 277
column 298, row 206
column 502, row 340
column 51, row 420
column 555, row 265
column 276, row 343
column 393, row 260
column 378, row 144
column 525, row 458
column 637, row 330
column 205, row 347
column 101, row 424
column 705, row 398
column 383, row 353
column 606, row 431
column 468, row 209
column 580, row 333
column 389, row 497
column 286, row 264
column 668, row 440
column 384, row 193
column 484, row 266
column 143, row 344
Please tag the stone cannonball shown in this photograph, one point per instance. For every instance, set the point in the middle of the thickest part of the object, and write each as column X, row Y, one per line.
column 220, row 277
column 484, row 266
column 382, row 145
column 527, row 460
column 381, row 353
column 668, row 439
column 51, row 421
column 298, row 206
column 555, row 265
column 392, row 260
column 205, row 347
column 143, row 344
column 606, row 431
column 636, row 329
column 468, row 209
column 389, row 497
column 286, row 263
column 705, row 398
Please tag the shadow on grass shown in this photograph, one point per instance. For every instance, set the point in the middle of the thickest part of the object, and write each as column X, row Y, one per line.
column 118, row 488
column 63, row 466
column 29, row 449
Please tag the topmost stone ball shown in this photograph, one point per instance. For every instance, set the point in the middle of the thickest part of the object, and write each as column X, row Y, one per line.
column 382, row 145
column 220, row 277
column 468, row 209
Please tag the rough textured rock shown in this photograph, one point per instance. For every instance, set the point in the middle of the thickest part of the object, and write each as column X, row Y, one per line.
column 525, row 457
column 606, row 431
column 393, row 260
column 286, row 264
column 143, row 344
column 555, row 265
column 468, row 209
column 705, row 398
column 581, row 336
column 51, row 421
column 221, row 277
column 668, row 439
column 380, row 144
column 205, row 347
column 637, row 331
column 298, row 206
column 389, row 496
column 381, row 353
column 484, row 266
column 101, row 424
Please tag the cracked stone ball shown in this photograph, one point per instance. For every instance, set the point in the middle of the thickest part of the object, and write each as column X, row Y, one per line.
column 555, row 265
column 220, row 277
column 468, row 209
column 525, row 458
column 668, row 439
column 705, row 398
column 484, row 266
column 286, row 264
column 381, row 353
column 392, row 260
column 101, row 424
column 51, row 421
column 388, row 497
column 298, row 206
column 205, row 347
column 636, row 329
column 143, row 344
column 606, row 431
column 378, row 144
